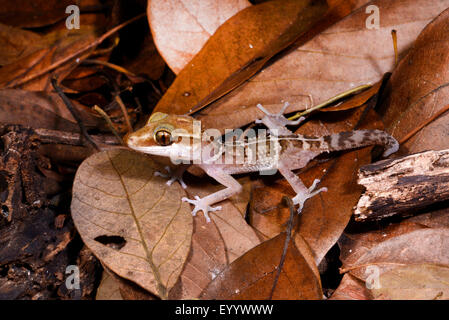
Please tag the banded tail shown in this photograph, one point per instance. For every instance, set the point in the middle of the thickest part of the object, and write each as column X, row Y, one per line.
column 361, row 138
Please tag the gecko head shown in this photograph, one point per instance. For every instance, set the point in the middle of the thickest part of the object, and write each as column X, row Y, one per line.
column 164, row 135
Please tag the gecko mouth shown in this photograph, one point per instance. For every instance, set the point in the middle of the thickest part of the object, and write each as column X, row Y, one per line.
column 155, row 150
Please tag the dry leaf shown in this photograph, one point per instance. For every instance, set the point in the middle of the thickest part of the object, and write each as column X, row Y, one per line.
column 251, row 276
column 414, row 282
column 239, row 47
column 435, row 219
column 207, row 258
column 408, row 260
column 108, row 289
column 42, row 110
column 131, row 220
column 17, row 43
column 112, row 287
column 419, row 88
column 342, row 57
column 21, row 13
column 180, row 28
column 237, row 235
column 351, row 288
column 62, row 44
column 354, row 245
column 39, row 13
column 147, row 61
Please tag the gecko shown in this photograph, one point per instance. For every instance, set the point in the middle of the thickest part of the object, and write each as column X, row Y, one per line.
column 176, row 136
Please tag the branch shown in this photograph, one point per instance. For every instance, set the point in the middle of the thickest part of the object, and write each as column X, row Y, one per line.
column 403, row 185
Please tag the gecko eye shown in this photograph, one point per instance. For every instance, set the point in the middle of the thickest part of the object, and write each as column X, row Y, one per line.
column 163, row 137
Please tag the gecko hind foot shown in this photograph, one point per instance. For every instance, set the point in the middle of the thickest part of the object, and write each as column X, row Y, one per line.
column 201, row 205
column 171, row 176
column 301, row 198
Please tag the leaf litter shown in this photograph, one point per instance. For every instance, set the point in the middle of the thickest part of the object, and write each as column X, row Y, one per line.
column 165, row 253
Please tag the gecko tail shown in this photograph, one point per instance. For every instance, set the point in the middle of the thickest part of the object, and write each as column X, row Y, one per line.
column 361, row 138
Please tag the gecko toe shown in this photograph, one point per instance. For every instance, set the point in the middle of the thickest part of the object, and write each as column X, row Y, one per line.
column 183, row 185
column 214, row 208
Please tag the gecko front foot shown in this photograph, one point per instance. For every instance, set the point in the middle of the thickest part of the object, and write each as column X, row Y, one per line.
column 277, row 121
column 201, row 204
column 301, row 198
column 172, row 176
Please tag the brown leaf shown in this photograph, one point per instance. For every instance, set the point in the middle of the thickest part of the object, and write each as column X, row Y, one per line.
column 17, row 43
column 419, row 88
column 21, row 13
column 237, row 235
column 399, row 266
column 112, row 287
column 252, row 275
column 342, row 57
column 180, row 29
column 401, row 281
column 351, row 288
column 207, row 258
column 42, row 110
column 414, row 282
column 146, row 60
column 416, row 247
column 325, row 216
column 66, row 44
column 108, row 289
column 435, row 219
column 354, row 245
column 130, row 219
column 239, row 47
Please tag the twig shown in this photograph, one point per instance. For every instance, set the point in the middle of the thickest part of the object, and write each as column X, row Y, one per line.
column 125, row 112
column 425, row 123
column 112, row 66
column 48, row 136
column 288, row 237
column 74, row 113
column 403, row 186
column 95, row 43
column 109, row 122
column 330, row 101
